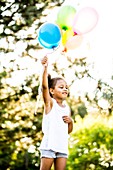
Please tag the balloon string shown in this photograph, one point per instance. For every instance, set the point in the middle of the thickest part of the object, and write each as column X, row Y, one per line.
column 39, row 92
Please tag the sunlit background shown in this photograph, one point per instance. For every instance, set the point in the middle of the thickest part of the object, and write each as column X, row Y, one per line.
column 97, row 44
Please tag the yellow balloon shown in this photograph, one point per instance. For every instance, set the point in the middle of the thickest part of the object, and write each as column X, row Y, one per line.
column 66, row 35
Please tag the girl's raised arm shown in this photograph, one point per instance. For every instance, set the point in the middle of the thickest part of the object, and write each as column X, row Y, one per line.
column 45, row 87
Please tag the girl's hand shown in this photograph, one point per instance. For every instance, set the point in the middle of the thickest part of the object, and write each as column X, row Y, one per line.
column 67, row 119
column 44, row 61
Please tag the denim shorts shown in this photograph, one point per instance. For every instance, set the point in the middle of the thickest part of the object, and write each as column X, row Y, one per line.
column 52, row 154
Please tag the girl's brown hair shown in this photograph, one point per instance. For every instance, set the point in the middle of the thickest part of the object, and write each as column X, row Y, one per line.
column 52, row 82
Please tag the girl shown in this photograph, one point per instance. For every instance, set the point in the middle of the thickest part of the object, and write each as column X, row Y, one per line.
column 56, row 124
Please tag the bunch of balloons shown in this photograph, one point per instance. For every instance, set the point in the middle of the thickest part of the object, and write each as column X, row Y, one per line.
column 68, row 27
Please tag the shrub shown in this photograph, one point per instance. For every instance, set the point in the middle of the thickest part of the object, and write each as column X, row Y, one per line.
column 91, row 144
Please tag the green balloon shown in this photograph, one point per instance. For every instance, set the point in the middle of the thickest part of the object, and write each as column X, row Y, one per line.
column 65, row 17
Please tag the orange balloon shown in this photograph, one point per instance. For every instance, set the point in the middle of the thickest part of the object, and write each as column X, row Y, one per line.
column 74, row 42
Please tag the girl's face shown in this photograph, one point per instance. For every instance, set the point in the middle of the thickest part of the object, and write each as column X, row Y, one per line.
column 61, row 90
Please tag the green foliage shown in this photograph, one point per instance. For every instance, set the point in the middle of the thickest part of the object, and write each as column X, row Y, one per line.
column 82, row 111
column 20, row 128
column 19, row 141
column 91, row 144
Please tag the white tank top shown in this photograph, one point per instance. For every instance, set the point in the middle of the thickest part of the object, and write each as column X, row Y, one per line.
column 55, row 130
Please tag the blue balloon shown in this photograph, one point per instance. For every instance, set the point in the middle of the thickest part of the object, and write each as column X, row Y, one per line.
column 49, row 35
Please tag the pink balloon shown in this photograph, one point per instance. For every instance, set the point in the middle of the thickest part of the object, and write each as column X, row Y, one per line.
column 85, row 20
column 74, row 42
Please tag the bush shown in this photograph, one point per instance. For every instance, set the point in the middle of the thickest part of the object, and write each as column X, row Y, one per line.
column 91, row 144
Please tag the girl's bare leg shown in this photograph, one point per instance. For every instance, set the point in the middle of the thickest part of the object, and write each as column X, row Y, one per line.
column 60, row 163
column 46, row 163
